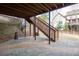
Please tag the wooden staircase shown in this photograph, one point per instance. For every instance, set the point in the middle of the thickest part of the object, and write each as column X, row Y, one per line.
column 44, row 27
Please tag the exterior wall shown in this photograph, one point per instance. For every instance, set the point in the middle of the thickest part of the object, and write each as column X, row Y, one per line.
column 7, row 31
column 57, row 19
column 8, row 26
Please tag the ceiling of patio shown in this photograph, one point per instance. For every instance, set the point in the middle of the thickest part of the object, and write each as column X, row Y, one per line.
column 29, row 9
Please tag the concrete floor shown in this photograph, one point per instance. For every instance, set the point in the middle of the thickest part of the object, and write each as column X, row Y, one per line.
column 27, row 46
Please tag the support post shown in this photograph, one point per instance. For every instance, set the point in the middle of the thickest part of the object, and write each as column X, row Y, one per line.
column 54, row 36
column 33, row 31
column 30, row 29
column 25, row 28
column 49, row 27
column 35, row 28
column 37, row 32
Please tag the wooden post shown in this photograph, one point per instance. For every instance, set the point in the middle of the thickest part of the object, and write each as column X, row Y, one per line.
column 54, row 36
column 49, row 28
column 30, row 30
column 16, row 35
column 38, row 31
column 33, row 31
column 25, row 28
column 34, row 28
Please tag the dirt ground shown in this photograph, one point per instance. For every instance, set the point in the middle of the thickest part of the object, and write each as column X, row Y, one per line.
column 67, row 45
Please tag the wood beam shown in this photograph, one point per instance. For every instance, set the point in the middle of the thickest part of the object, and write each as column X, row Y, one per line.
column 15, row 10
column 43, row 6
column 18, row 10
column 32, row 7
column 6, row 11
column 55, row 5
column 39, row 7
column 27, row 8
column 47, row 5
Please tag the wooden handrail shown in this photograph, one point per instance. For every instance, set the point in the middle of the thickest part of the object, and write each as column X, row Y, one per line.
column 44, row 22
column 41, row 30
column 54, row 32
column 53, row 28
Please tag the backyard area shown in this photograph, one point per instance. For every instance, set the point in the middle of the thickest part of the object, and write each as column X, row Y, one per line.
column 67, row 44
column 33, row 31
